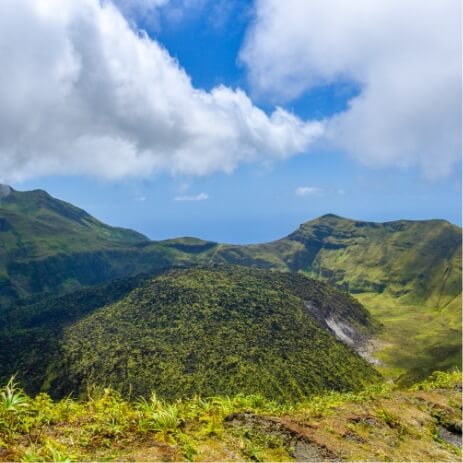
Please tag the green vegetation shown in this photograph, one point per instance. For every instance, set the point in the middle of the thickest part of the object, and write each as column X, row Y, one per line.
column 407, row 273
column 208, row 331
column 47, row 244
column 50, row 247
column 379, row 423
column 416, row 262
column 258, row 343
column 415, row 340
column 30, row 334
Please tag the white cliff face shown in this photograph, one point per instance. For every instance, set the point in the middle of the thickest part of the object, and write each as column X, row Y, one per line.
column 5, row 190
column 341, row 330
column 345, row 333
column 365, row 346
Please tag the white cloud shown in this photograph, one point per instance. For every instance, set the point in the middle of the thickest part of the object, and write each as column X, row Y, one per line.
column 140, row 199
column 308, row 190
column 199, row 197
column 404, row 54
column 81, row 92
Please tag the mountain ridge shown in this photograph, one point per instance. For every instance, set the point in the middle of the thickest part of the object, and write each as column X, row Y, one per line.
column 407, row 273
column 416, row 260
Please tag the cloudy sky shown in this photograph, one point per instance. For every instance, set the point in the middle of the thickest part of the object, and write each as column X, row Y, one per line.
column 234, row 120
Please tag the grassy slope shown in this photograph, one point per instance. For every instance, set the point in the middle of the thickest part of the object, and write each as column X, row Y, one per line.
column 49, row 246
column 413, row 261
column 377, row 424
column 214, row 331
column 407, row 273
column 416, row 340
column 30, row 334
column 36, row 225
column 416, row 262
column 219, row 323
column 46, row 243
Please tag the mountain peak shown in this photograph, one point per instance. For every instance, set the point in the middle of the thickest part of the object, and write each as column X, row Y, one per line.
column 327, row 218
column 333, row 218
column 330, row 216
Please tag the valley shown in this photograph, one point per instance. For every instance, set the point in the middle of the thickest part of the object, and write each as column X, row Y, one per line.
column 231, row 231
column 250, row 351
column 407, row 273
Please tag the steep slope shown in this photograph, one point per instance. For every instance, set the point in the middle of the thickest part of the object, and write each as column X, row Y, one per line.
column 38, row 224
column 47, row 245
column 416, row 261
column 50, row 246
column 30, row 334
column 216, row 331
column 407, row 273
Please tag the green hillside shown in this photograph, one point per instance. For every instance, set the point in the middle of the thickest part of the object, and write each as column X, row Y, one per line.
column 30, row 334
column 48, row 246
column 37, row 225
column 407, row 273
column 201, row 331
column 415, row 261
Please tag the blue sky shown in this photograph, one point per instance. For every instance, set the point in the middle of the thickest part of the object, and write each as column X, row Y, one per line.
column 256, row 201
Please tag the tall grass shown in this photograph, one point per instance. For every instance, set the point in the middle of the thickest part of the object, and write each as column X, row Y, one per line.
column 40, row 429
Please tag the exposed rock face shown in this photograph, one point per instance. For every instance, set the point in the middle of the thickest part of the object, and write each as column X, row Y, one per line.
column 296, row 439
column 348, row 333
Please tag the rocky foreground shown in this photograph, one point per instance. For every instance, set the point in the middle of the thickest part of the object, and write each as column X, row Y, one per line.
column 422, row 423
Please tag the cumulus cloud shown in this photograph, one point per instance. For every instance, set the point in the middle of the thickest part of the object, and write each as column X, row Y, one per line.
column 404, row 54
column 199, row 197
column 81, row 92
column 307, row 190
